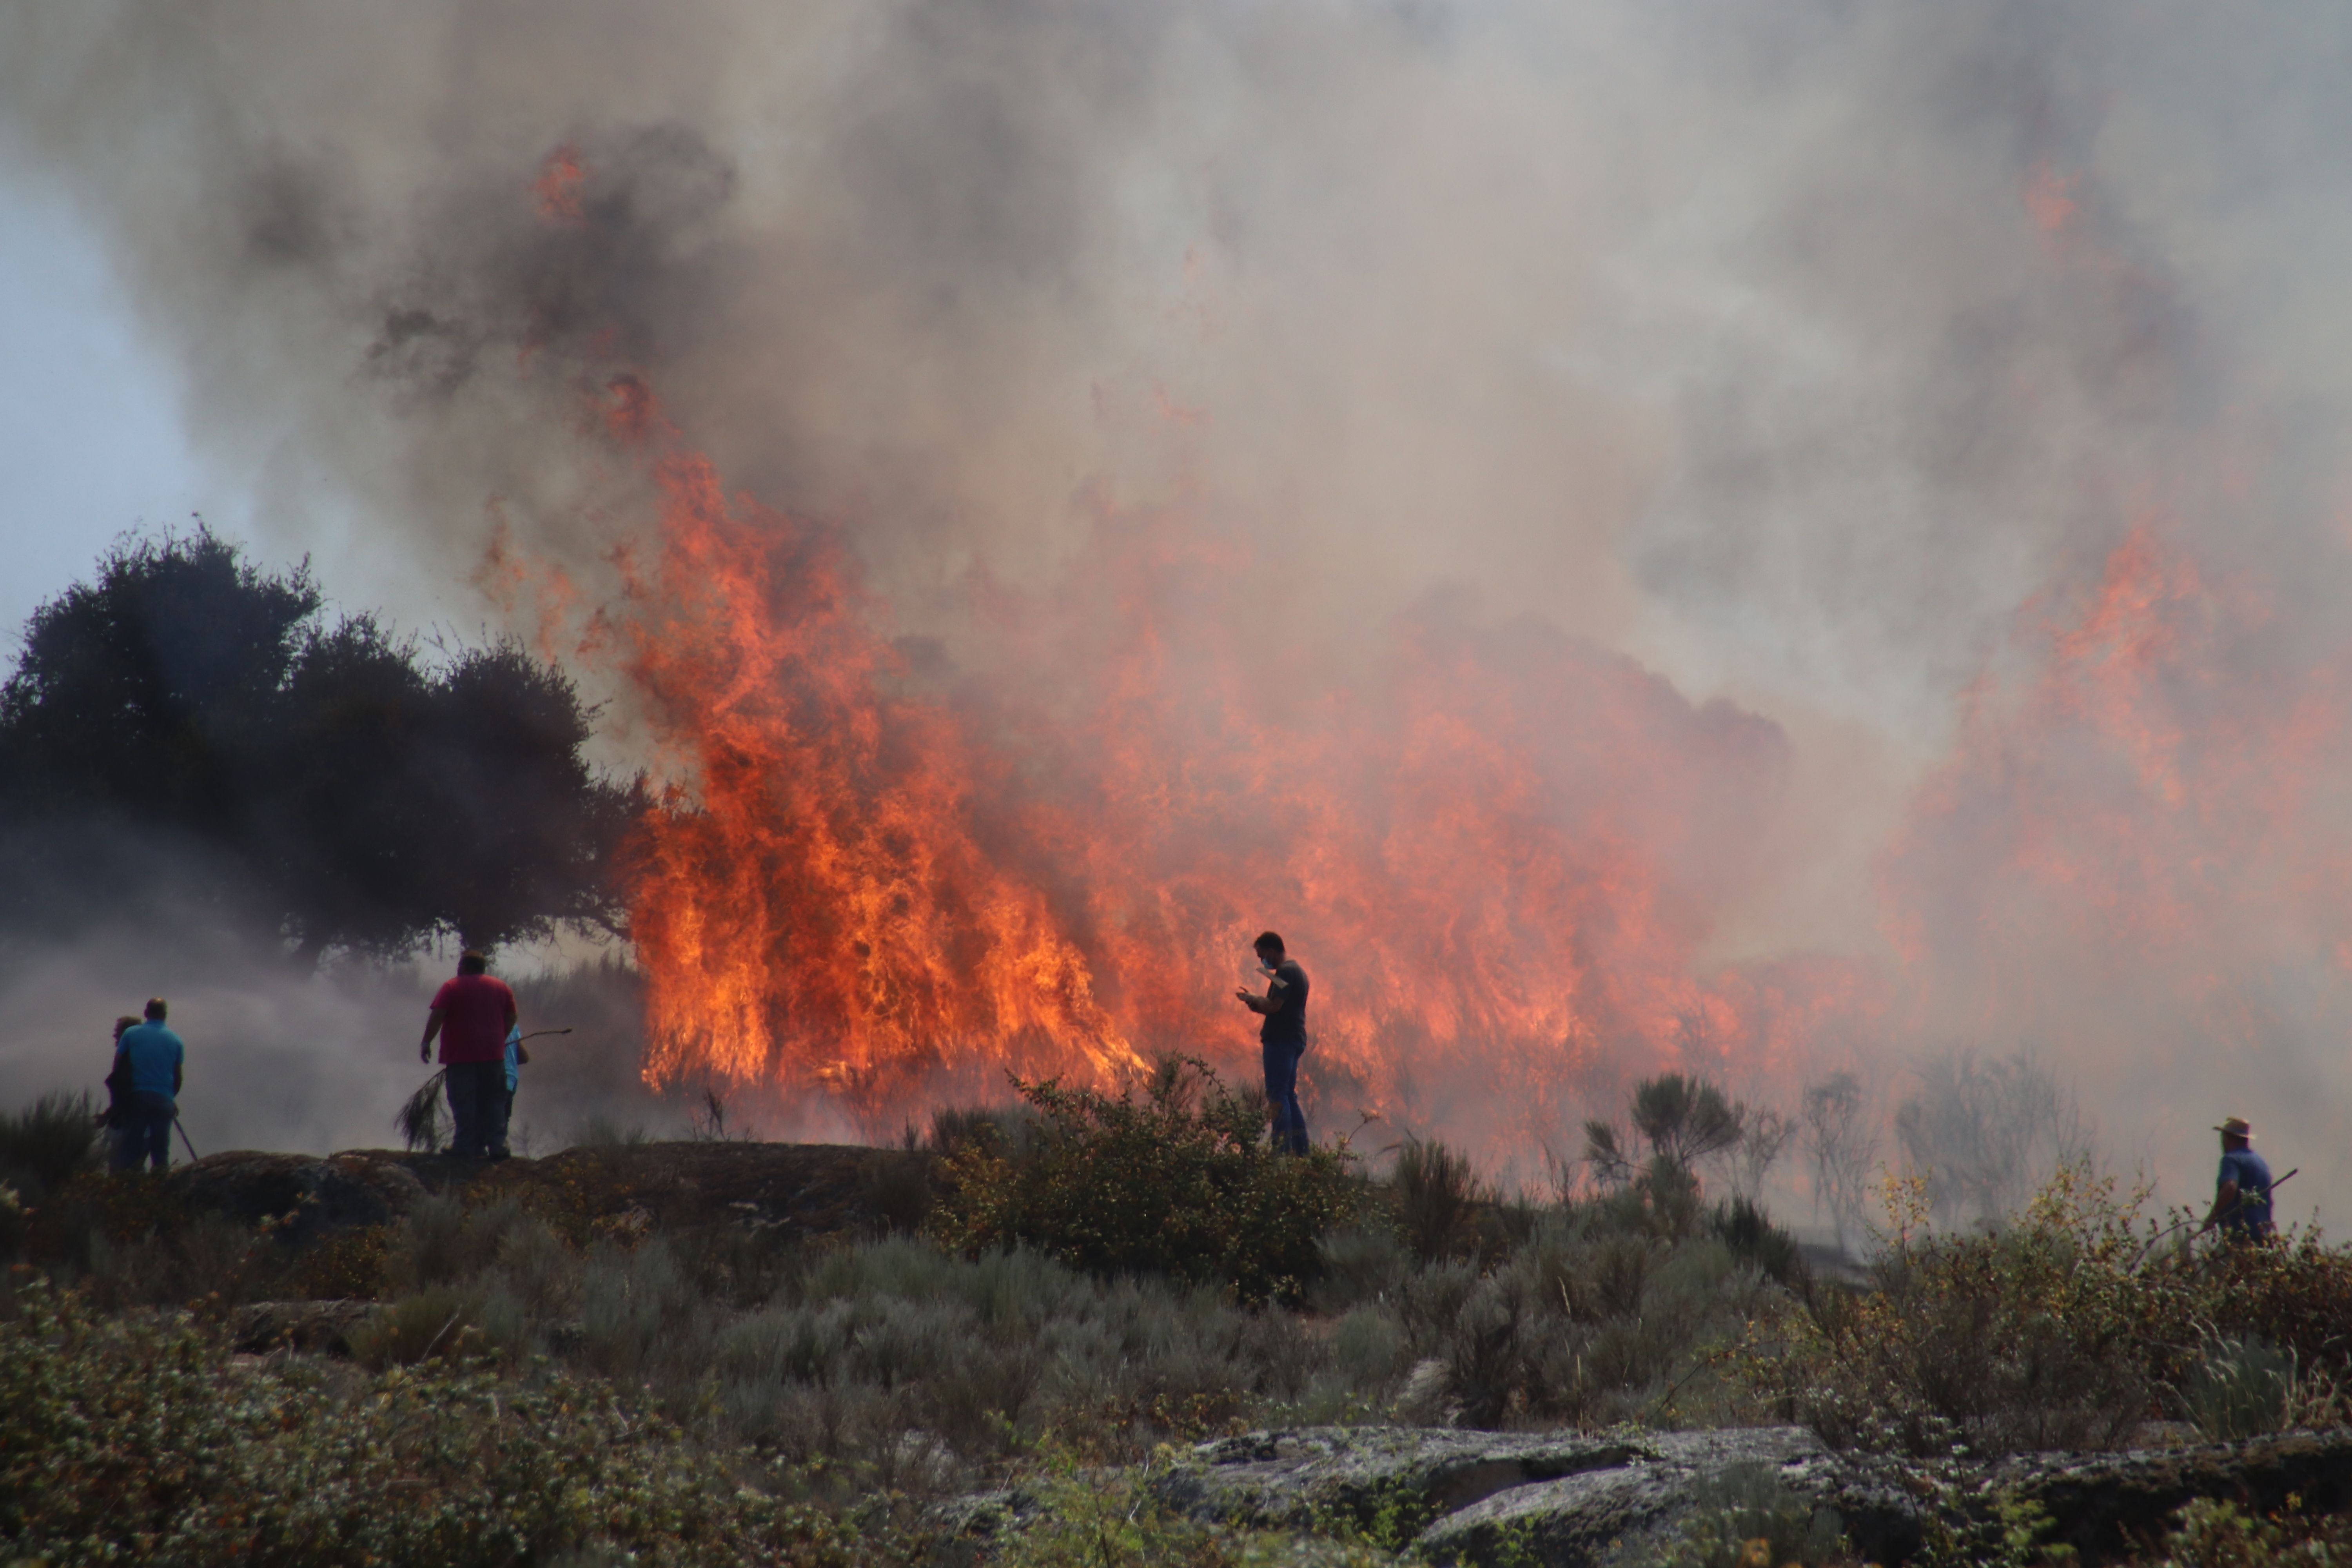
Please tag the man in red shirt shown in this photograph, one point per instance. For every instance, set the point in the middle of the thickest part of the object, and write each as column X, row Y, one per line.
column 472, row 1015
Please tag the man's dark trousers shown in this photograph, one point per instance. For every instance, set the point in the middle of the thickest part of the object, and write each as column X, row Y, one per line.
column 477, row 1103
column 142, row 1130
column 1282, row 1093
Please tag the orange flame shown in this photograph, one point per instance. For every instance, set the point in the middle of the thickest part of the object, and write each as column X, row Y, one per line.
column 558, row 187
column 2126, row 850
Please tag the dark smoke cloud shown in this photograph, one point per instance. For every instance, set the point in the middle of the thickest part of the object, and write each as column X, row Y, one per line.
column 1793, row 349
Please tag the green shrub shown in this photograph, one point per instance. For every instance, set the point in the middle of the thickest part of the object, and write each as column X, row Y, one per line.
column 413, row 1329
column 139, row 1439
column 1181, row 1180
column 1590, row 1323
column 1748, row 1231
column 2215, row 1534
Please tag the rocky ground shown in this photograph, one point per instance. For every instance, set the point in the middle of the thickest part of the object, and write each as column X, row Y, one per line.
column 1574, row 1501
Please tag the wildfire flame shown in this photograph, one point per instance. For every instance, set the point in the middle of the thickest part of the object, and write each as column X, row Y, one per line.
column 1495, row 855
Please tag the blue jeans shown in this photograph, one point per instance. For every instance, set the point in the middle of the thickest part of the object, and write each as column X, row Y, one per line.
column 477, row 1104
column 1282, row 1093
column 142, row 1130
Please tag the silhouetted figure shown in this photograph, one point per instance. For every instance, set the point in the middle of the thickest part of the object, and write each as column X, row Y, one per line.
column 1282, row 1038
column 472, row 1015
column 2242, row 1192
column 118, row 1077
column 148, row 1059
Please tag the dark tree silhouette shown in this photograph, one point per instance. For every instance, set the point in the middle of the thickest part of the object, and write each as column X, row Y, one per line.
column 149, row 692
column 186, row 704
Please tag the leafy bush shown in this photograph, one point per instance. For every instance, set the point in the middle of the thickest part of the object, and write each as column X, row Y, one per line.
column 2029, row 1339
column 139, row 1439
column 1180, row 1182
column 2216, row 1534
column 2066, row 1329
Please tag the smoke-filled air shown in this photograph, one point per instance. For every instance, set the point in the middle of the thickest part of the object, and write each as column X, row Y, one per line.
column 1799, row 544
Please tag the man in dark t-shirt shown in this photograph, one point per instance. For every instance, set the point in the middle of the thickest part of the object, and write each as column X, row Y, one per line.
column 472, row 1015
column 1282, row 1038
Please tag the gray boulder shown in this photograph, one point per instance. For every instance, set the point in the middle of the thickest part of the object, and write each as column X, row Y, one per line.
column 1565, row 1500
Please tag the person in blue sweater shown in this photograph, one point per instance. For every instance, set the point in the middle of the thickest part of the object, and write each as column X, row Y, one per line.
column 150, row 1058
column 2242, row 1192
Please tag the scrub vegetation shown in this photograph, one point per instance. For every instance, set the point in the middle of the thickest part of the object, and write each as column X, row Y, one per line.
column 1075, row 1282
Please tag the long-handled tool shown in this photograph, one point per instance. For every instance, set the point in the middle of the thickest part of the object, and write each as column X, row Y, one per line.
column 191, row 1148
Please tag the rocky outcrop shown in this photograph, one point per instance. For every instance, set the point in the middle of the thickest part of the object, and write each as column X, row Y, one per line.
column 1565, row 1500
column 301, row 1197
column 1571, row 1500
column 794, row 1189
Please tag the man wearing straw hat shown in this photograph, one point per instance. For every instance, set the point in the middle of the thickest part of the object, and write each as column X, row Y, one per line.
column 2241, row 1195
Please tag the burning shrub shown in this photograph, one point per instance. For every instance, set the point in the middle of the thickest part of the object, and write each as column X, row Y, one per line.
column 1180, row 1182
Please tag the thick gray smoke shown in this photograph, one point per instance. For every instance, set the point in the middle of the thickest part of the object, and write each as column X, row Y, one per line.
column 1821, row 356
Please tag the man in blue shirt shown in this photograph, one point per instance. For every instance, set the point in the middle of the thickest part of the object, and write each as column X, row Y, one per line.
column 2241, row 1195
column 150, row 1056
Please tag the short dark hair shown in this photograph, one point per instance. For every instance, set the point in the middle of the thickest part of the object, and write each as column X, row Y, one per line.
column 1266, row 939
column 157, row 1007
column 472, row 963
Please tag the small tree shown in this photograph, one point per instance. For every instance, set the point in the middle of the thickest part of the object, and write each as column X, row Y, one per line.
column 1685, row 1119
column 1841, row 1149
column 189, row 708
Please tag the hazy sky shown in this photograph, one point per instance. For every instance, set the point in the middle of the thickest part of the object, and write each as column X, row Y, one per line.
column 90, row 438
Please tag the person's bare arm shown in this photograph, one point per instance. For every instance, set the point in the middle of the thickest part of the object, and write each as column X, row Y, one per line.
column 432, row 1031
